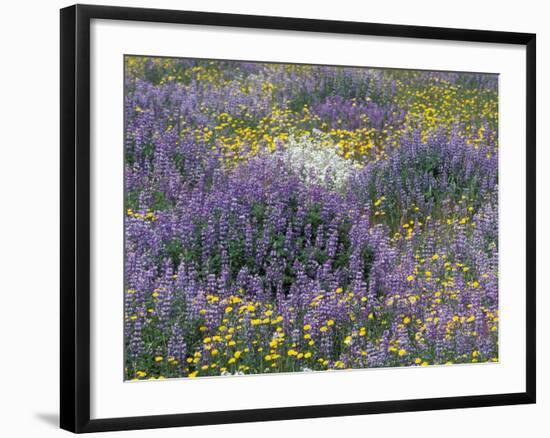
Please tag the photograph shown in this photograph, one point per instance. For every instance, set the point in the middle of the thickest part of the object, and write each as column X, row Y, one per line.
column 266, row 219
column 290, row 218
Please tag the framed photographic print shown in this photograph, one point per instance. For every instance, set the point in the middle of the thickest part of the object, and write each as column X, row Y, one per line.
column 269, row 218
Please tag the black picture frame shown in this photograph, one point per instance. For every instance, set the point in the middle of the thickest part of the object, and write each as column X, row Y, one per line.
column 75, row 217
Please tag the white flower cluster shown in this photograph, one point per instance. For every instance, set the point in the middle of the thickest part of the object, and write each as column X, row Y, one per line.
column 314, row 158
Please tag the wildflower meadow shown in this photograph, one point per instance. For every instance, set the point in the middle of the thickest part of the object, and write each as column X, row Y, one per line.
column 290, row 218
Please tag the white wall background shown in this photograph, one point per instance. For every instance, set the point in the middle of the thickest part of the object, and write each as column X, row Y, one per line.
column 29, row 216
